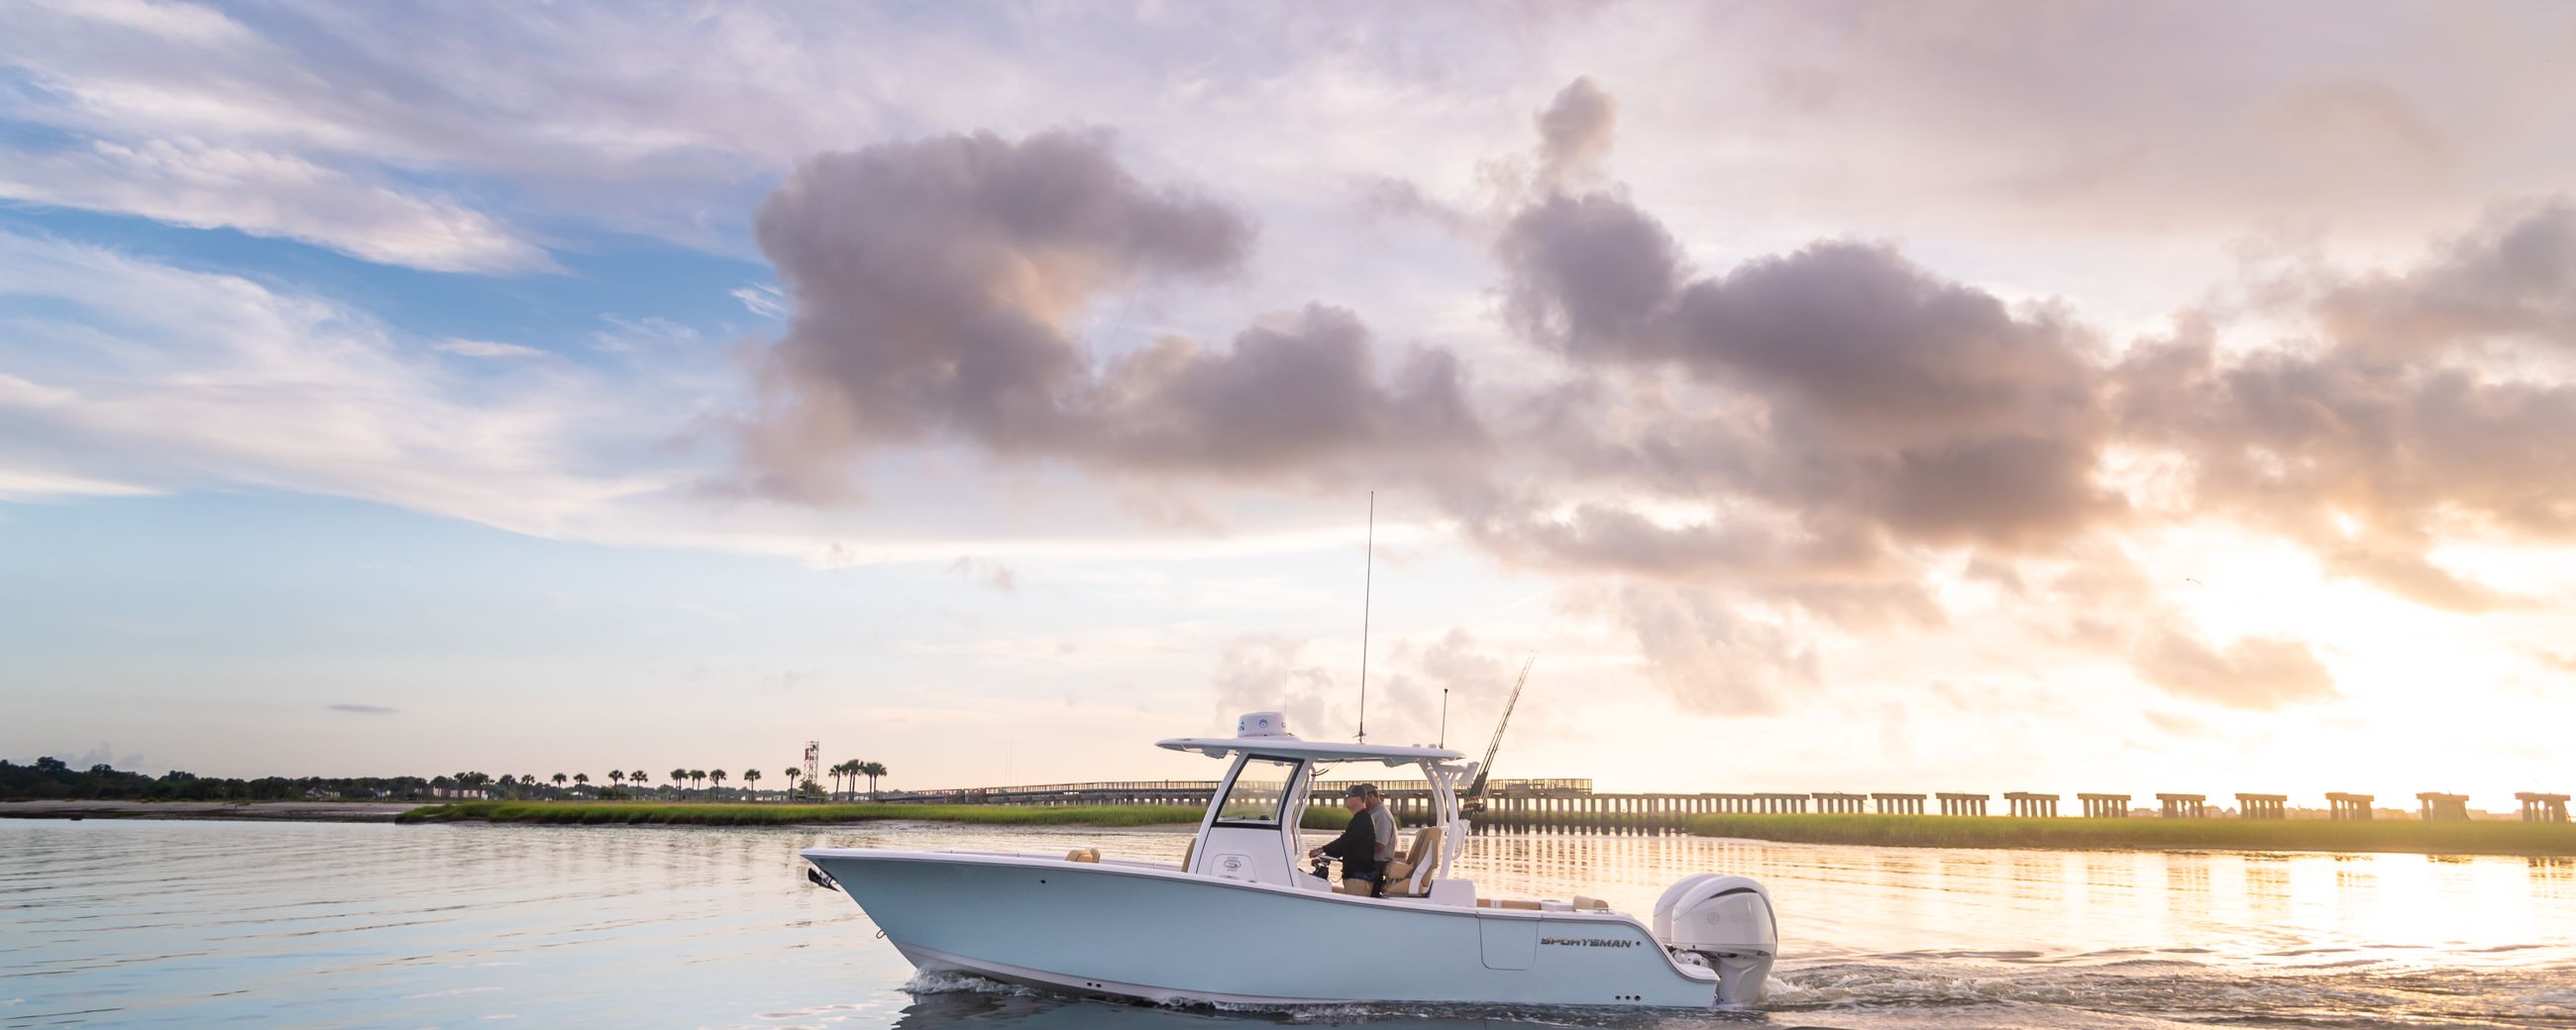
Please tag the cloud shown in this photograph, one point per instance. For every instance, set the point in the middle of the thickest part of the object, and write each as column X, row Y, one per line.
column 1794, row 425
column 2382, row 436
column 761, row 299
column 2513, row 279
column 1707, row 652
column 2257, row 673
column 934, row 282
column 154, row 378
column 184, row 182
column 357, row 709
column 1268, row 672
column 1575, row 133
column 489, row 349
column 992, row 575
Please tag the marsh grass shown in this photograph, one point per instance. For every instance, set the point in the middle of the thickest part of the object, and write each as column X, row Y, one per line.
column 614, row 813
column 2483, row 837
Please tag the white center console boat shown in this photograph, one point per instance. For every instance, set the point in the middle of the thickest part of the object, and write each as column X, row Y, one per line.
column 1237, row 921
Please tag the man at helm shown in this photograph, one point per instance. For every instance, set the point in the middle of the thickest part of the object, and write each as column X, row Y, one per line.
column 1362, row 872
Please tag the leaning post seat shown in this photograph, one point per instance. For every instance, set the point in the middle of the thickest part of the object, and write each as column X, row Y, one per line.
column 1410, row 875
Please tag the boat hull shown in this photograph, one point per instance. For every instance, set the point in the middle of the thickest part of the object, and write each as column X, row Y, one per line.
column 1160, row 935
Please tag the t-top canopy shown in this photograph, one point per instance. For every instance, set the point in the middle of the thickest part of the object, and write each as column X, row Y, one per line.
column 1287, row 746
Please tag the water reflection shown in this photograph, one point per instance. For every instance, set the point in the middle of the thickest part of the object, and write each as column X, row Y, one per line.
column 183, row 924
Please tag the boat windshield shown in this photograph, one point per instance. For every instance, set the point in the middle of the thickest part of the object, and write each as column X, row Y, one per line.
column 1257, row 793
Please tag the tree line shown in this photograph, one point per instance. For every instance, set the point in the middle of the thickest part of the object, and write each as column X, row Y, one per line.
column 53, row 779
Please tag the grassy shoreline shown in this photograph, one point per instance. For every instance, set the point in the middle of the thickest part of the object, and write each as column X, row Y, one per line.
column 630, row 813
column 2485, row 837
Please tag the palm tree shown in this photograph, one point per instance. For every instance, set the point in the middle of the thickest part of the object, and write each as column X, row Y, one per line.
column 751, row 780
column 698, row 777
column 872, row 770
column 617, row 776
column 559, row 782
column 718, row 776
column 678, row 777
column 793, row 775
column 848, row 768
column 581, row 778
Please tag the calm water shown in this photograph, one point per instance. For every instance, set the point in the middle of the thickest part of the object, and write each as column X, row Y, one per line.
column 206, row 923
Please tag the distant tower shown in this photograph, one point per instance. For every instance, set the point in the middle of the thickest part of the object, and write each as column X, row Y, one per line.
column 813, row 760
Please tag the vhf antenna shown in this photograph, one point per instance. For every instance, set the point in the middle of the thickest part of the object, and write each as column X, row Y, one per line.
column 1368, row 576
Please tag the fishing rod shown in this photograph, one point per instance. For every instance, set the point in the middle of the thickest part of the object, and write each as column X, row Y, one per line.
column 1368, row 577
column 1485, row 769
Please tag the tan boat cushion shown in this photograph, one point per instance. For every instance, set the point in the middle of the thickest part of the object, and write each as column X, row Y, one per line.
column 1082, row 855
column 1410, row 876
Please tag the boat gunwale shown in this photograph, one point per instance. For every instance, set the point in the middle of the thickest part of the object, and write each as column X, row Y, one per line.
column 1157, row 871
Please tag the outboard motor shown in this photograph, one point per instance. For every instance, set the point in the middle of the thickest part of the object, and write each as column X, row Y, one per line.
column 1724, row 922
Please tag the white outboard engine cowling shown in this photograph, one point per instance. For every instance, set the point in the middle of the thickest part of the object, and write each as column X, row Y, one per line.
column 1726, row 921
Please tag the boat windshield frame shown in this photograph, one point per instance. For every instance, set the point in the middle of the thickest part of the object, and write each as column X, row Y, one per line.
column 1289, row 798
column 1294, row 800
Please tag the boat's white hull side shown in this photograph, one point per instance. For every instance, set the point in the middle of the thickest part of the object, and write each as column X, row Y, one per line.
column 1165, row 936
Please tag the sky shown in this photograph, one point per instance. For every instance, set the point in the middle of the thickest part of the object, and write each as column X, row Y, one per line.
column 1835, row 396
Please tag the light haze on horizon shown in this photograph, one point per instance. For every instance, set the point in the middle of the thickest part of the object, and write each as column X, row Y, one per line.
column 2068, row 397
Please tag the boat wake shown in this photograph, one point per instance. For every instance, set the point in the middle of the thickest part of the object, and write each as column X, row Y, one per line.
column 2165, row 991
column 951, row 982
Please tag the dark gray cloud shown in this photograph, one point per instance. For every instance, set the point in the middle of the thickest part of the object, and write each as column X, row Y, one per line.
column 1591, row 276
column 1731, row 462
column 933, row 283
column 358, row 709
column 1881, row 404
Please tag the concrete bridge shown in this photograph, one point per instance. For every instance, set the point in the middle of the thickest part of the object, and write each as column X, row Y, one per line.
column 1573, row 804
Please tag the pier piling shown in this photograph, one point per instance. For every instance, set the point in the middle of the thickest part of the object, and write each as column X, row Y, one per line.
column 2030, row 805
column 1962, row 804
column 2104, row 806
column 1899, row 804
